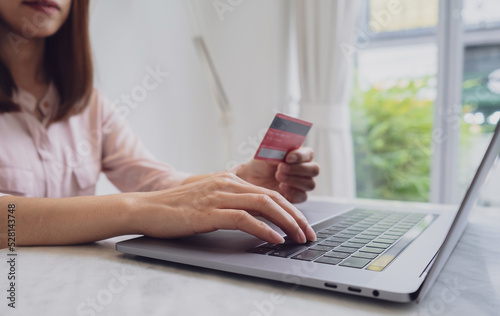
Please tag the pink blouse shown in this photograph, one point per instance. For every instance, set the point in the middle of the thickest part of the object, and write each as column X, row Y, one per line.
column 65, row 158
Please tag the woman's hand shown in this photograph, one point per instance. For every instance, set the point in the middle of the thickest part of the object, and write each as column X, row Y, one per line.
column 222, row 201
column 292, row 178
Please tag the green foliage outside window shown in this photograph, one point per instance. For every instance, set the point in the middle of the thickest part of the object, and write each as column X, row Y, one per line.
column 392, row 135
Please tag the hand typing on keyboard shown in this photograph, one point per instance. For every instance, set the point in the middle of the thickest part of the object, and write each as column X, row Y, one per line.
column 223, row 201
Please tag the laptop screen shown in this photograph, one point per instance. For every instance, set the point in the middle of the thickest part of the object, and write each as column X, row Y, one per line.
column 460, row 221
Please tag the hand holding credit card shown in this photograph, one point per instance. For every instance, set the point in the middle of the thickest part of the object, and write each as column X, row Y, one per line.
column 284, row 135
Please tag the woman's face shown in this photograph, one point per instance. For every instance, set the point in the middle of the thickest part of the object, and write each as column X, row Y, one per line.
column 34, row 19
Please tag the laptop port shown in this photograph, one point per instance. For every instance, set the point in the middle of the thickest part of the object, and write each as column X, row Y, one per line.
column 354, row 289
column 376, row 293
column 333, row 286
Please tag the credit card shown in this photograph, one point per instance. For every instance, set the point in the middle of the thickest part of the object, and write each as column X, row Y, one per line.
column 284, row 135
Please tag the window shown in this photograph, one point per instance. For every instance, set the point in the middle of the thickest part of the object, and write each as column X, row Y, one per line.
column 393, row 104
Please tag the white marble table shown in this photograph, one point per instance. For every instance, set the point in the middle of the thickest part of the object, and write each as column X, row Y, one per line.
column 94, row 279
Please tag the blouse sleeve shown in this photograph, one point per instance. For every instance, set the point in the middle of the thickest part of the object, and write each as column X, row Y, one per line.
column 126, row 162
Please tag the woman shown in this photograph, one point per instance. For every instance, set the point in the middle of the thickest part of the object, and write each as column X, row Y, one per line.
column 57, row 134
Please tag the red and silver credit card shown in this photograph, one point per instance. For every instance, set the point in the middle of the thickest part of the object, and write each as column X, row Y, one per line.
column 284, row 135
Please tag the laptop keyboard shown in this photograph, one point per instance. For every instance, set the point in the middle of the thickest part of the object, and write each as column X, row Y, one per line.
column 362, row 239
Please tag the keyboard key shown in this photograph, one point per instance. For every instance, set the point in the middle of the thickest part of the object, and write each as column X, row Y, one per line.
column 329, row 243
column 350, row 221
column 346, row 249
column 374, row 231
column 398, row 230
column 355, row 262
column 331, row 231
column 387, row 223
column 323, row 235
column 353, row 244
column 379, row 245
column 345, row 235
column 366, row 255
column 382, row 228
column 385, row 240
column 338, row 239
column 361, row 227
column 359, row 240
column 328, row 260
column 342, row 226
column 287, row 250
column 353, row 231
column 322, row 248
column 335, row 254
column 366, row 236
column 308, row 255
column 394, row 234
column 372, row 250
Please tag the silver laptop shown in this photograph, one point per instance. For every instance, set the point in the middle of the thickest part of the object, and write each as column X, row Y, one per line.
column 390, row 254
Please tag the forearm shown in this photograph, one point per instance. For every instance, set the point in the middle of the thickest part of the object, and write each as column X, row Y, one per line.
column 59, row 221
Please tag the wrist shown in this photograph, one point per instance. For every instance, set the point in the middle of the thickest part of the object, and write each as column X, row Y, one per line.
column 131, row 205
column 145, row 210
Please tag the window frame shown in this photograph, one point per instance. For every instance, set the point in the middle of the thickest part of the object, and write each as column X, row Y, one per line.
column 447, row 109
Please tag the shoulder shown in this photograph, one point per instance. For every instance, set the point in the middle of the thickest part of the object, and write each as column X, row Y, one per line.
column 97, row 101
column 110, row 114
column 98, row 106
column 94, row 111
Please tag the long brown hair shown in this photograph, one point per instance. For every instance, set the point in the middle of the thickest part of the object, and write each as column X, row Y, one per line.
column 68, row 62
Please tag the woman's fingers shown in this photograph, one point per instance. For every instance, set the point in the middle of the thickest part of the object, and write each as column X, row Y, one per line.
column 298, row 176
column 301, row 183
column 300, row 155
column 235, row 184
column 241, row 220
column 284, row 205
column 306, row 169
column 265, row 206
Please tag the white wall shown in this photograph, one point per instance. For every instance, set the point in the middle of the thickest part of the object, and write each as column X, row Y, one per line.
column 250, row 50
column 179, row 121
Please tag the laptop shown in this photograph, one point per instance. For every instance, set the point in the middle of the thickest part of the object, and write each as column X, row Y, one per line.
column 390, row 254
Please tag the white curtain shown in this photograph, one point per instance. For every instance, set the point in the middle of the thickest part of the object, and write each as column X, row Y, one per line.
column 324, row 29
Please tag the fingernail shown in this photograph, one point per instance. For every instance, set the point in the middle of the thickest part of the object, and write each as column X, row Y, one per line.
column 291, row 158
column 277, row 238
column 301, row 237
column 311, row 235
